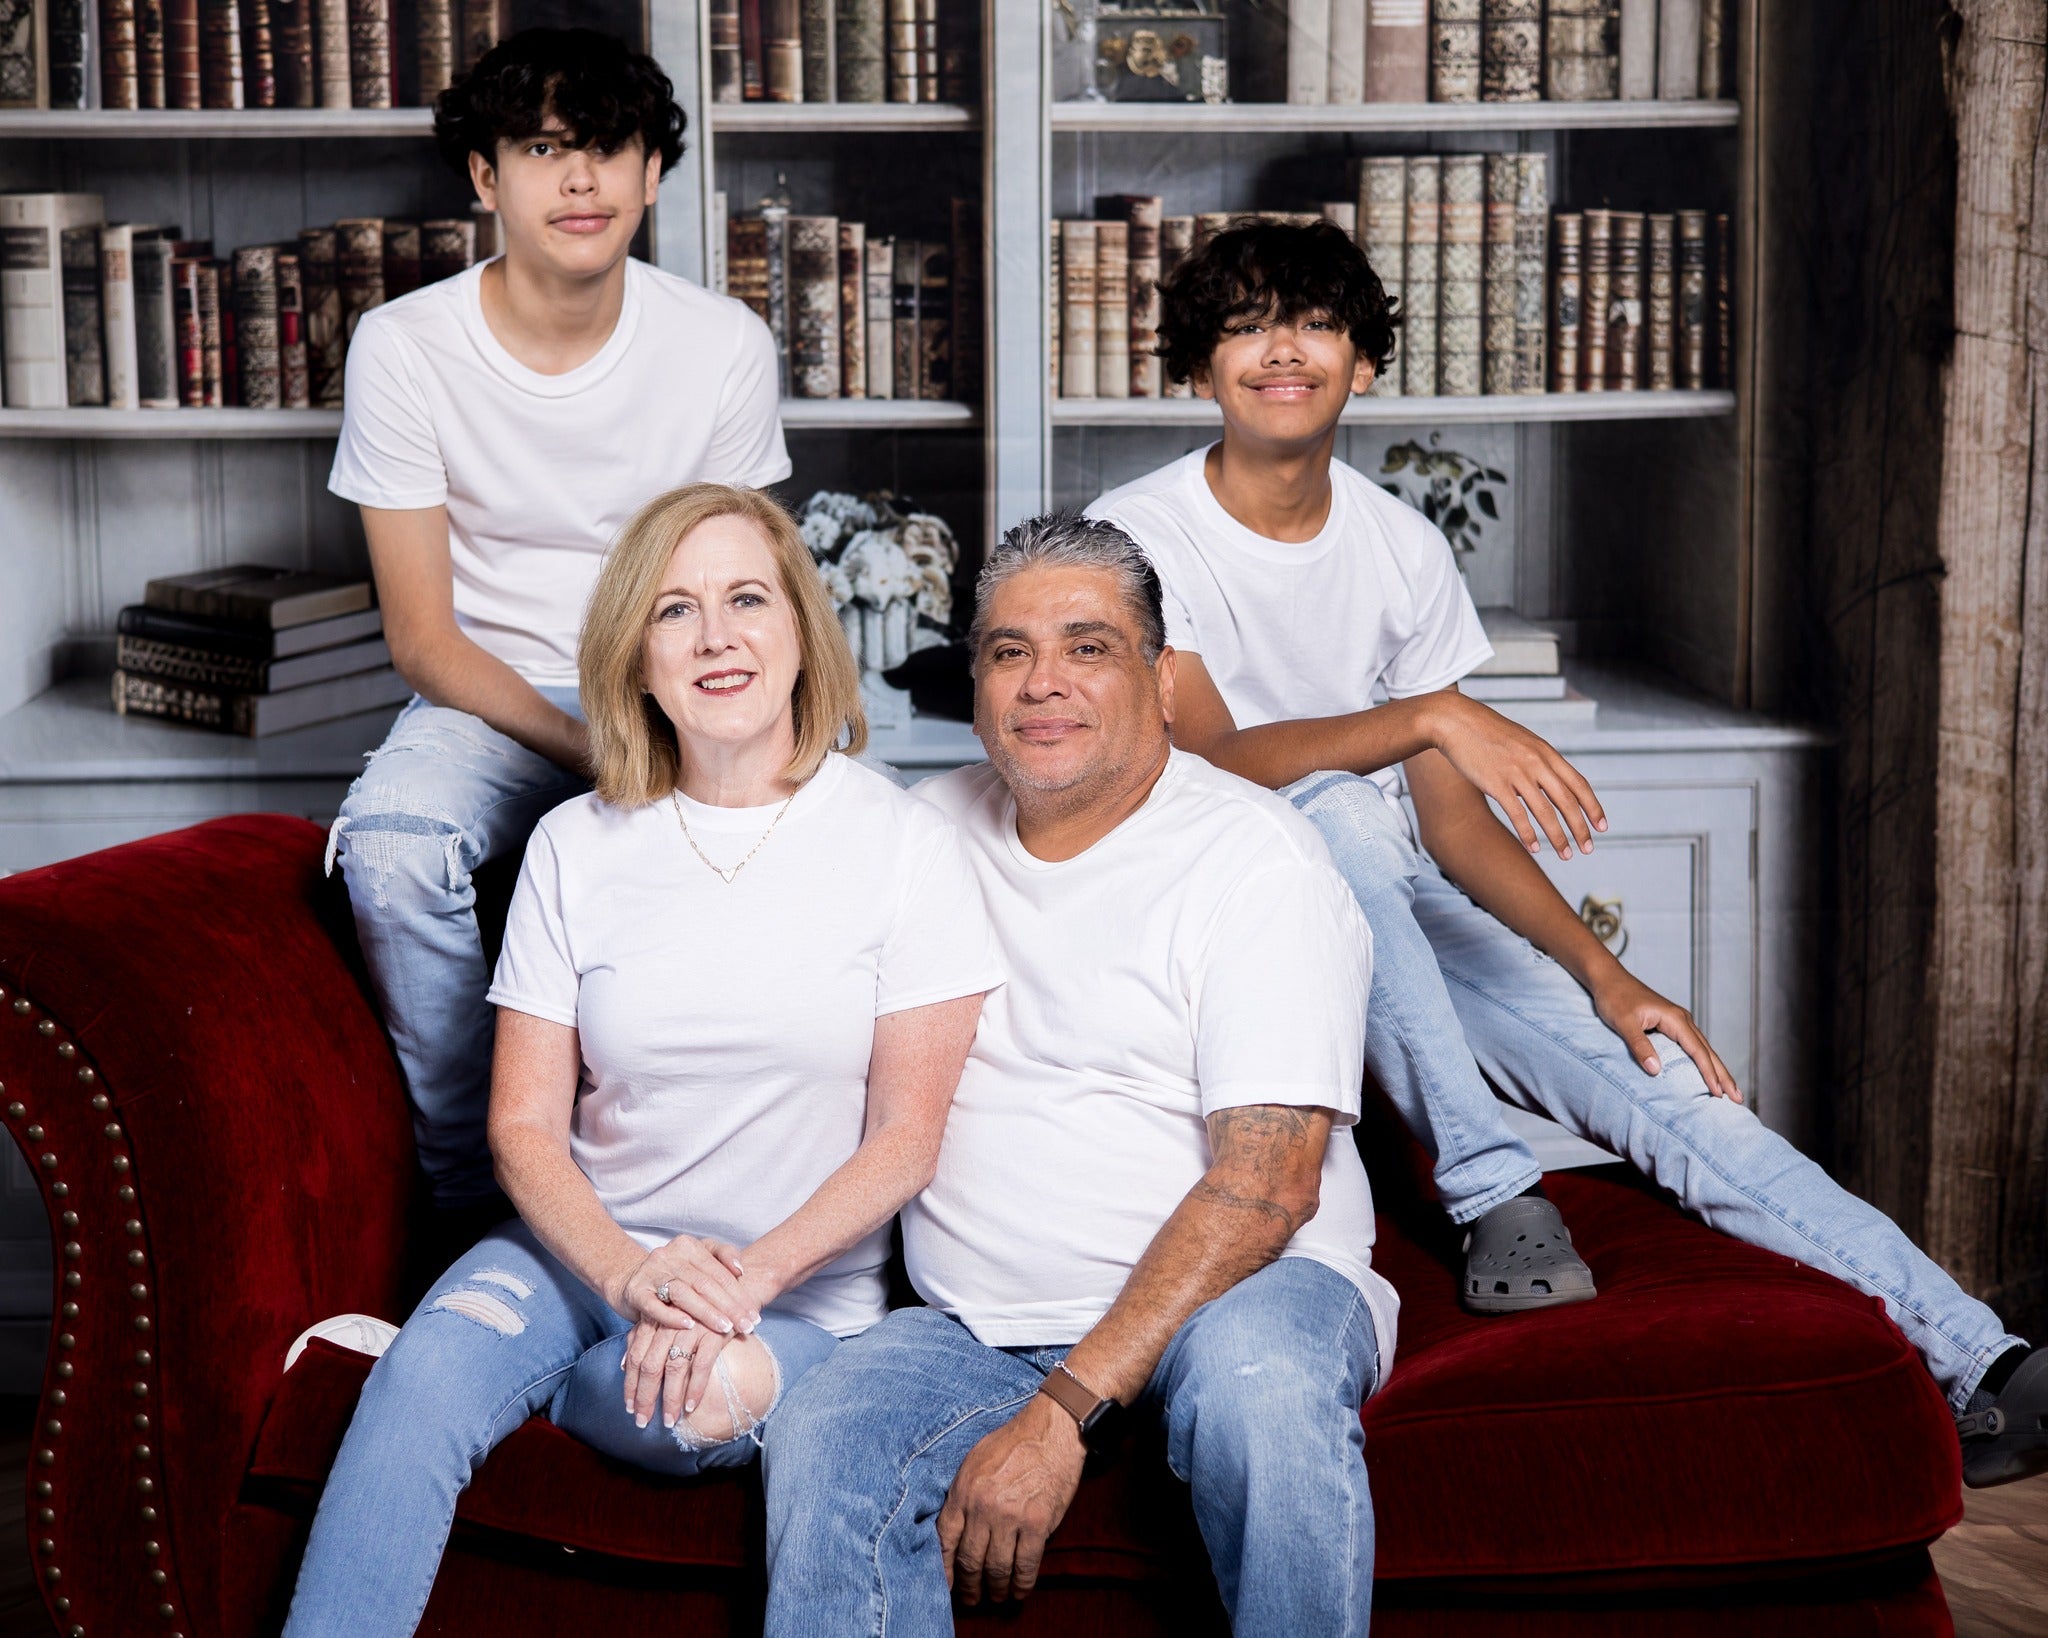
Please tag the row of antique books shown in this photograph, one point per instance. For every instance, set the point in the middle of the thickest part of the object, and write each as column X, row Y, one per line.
column 136, row 316
column 1353, row 51
column 237, row 53
column 253, row 650
column 1463, row 242
column 857, row 314
column 841, row 51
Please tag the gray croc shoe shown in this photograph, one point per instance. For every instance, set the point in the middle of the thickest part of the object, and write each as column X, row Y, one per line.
column 2008, row 1439
column 1519, row 1256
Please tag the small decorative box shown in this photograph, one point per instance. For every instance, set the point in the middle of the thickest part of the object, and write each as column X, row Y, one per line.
column 1163, row 53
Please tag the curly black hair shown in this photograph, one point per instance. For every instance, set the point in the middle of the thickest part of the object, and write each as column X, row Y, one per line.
column 1275, row 269
column 599, row 87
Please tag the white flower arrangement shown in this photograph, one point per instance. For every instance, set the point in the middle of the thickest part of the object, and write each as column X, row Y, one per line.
column 889, row 573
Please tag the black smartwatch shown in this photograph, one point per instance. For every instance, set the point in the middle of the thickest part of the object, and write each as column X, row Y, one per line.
column 1079, row 1401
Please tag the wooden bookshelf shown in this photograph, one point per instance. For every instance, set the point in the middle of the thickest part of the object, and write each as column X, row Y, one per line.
column 1546, row 407
column 1451, row 118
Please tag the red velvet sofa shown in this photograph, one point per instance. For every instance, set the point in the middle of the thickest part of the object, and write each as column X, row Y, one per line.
column 1723, row 1442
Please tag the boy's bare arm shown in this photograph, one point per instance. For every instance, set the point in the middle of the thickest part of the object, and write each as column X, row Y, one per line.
column 416, row 588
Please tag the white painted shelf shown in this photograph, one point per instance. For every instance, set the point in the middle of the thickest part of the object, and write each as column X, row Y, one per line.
column 217, row 122
column 1389, row 116
column 1500, row 407
column 847, row 117
column 879, row 413
column 129, row 425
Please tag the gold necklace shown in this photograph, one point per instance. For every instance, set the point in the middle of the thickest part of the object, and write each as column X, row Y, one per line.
column 724, row 875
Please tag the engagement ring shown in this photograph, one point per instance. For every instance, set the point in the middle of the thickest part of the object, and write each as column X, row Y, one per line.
column 661, row 1292
column 678, row 1351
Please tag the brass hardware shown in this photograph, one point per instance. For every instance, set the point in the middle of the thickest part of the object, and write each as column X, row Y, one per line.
column 47, row 1027
column 1603, row 920
column 35, row 1134
column 16, row 1110
column 113, row 1129
column 86, row 1075
column 66, row 1050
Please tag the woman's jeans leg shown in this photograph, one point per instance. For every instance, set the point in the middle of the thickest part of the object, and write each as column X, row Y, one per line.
column 1535, row 1033
column 506, row 1334
column 441, row 795
column 1414, row 1046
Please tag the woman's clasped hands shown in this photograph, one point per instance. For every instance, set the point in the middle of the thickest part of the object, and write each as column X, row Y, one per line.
column 688, row 1300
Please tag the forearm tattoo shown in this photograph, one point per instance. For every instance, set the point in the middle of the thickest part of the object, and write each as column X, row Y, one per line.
column 1265, row 1149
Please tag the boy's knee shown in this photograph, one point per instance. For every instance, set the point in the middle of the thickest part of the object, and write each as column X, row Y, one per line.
column 390, row 849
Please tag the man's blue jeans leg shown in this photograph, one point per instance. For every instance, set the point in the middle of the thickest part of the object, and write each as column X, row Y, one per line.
column 1414, row 1046
column 1259, row 1393
column 442, row 794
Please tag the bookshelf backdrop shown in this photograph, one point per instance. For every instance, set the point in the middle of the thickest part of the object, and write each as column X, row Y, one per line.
column 1615, row 521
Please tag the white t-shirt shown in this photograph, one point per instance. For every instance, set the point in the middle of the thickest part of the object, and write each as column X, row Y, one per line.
column 1204, row 955
column 1293, row 630
column 726, row 1030
column 540, row 472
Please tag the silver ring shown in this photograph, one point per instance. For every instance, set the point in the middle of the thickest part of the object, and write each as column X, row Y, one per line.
column 661, row 1292
column 678, row 1351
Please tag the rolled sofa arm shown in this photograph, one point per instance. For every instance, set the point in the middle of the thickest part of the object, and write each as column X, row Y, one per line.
column 200, row 1084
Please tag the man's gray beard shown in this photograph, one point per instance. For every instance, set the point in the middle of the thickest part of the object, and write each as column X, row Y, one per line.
column 1059, row 796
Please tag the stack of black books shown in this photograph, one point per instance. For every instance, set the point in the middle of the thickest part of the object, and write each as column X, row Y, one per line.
column 253, row 650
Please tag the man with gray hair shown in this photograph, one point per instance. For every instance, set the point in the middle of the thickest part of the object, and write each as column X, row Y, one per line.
column 1146, row 1200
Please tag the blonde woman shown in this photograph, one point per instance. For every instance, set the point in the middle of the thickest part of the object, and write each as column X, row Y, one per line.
column 738, row 985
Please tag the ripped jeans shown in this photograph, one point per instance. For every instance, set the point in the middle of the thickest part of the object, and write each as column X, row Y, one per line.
column 505, row 1334
column 440, row 796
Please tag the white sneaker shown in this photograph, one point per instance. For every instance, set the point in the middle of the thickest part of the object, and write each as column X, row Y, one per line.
column 357, row 1332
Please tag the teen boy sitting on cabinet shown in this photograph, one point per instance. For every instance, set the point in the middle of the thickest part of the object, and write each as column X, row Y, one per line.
column 1294, row 587
column 500, row 426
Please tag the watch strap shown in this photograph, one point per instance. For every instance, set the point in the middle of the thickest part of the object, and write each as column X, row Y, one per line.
column 1075, row 1397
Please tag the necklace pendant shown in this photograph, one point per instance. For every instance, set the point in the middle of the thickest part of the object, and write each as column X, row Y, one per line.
column 726, row 876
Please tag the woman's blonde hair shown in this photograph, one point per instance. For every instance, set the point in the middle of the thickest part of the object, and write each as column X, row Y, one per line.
column 633, row 751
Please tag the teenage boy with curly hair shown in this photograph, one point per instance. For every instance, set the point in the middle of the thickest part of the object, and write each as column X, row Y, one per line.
column 500, row 426
column 1294, row 588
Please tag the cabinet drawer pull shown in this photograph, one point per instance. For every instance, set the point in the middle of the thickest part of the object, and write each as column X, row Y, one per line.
column 1603, row 918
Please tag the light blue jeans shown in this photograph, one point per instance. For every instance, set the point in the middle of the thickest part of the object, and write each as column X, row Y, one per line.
column 507, row 1333
column 1259, row 1395
column 444, row 793
column 1459, row 1000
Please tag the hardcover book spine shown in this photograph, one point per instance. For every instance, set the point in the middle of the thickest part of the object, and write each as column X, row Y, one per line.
column 256, row 327
column 447, row 246
column 1420, row 274
column 927, row 50
column 879, row 305
column 186, row 279
column 1565, row 303
column 1532, row 260
column 31, row 306
column 401, row 259
column 230, row 376
column 435, row 44
column 1503, row 183
column 1660, row 321
column 330, row 27
column 1055, row 294
column 220, row 53
column 814, row 306
column 1583, row 51
column 1342, row 214
column 1347, row 52
column 1308, row 52
column 967, row 314
column 85, row 358
column 857, row 42
column 1144, row 213
column 120, row 54
column 853, row 316
column 775, row 227
column 1638, row 73
column 1454, row 50
column 326, row 337
column 298, row 85
column 1713, row 37
column 212, row 338
column 934, row 320
column 369, row 53
column 259, row 55
column 904, row 289
column 1724, row 304
column 1077, row 309
column 156, row 326
column 1625, row 304
column 117, row 316
column 1176, row 242
column 1112, row 310
column 24, row 60
column 1209, row 223
column 1383, row 234
column 782, row 51
column 154, row 697
column 1678, row 49
column 359, row 258
column 724, row 25
column 68, row 30
column 1596, row 292
column 751, row 82
column 151, row 88
column 746, row 263
column 959, row 61
column 293, row 383
column 900, row 49
column 1397, row 51
column 1462, row 275
column 481, row 26
column 1511, row 51
column 143, row 657
column 183, row 80
column 1692, row 299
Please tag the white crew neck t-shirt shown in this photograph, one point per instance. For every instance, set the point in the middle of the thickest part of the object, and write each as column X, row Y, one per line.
column 1291, row 630
column 1204, row 955
column 726, row 1029
column 540, row 472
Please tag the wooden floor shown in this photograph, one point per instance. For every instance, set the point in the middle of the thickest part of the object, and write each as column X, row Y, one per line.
column 1994, row 1565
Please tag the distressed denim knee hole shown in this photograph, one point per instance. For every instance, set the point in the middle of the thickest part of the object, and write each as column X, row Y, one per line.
column 486, row 1310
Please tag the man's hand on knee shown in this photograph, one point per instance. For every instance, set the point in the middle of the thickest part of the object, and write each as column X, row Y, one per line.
column 1008, row 1497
